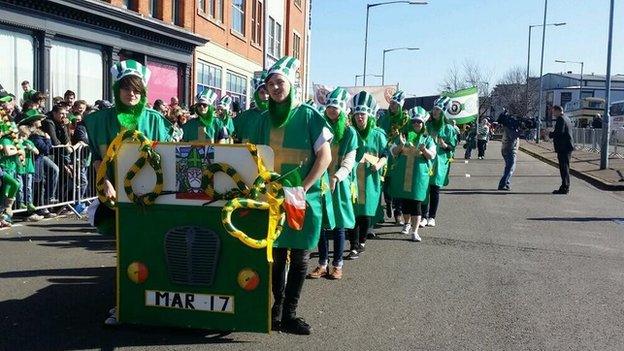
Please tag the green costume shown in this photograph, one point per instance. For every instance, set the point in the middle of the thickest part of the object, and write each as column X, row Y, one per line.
column 394, row 123
column 246, row 123
column 410, row 171
column 227, row 122
column 442, row 162
column 30, row 156
column 204, row 128
column 342, row 196
column 372, row 141
column 8, row 163
column 293, row 141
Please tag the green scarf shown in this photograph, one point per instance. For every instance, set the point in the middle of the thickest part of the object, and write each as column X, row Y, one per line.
column 366, row 131
column 261, row 105
column 280, row 112
column 206, row 119
column 413, row 137
column 398, row 119
column 128, row 116
column 338, row 127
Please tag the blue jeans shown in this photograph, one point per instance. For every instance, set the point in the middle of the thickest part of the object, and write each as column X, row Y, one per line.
column 51, row 175
column 323, row 246
column 510, row 166
column 25, row 194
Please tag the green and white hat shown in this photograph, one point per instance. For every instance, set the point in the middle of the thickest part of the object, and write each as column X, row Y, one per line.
column 441, row 102
column 399, row 97
column 4, row 95
column 130, row 68
column 225, row 102
column 365, row 103
column 418, row 113
column 338, row 98
column 258, row 82
column 207, row 96
column 286, row 66
column 31, row 116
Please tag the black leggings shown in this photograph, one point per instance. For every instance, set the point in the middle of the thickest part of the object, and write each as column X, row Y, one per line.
column 411, row 207
column 286, row 292
column 429, row 210
column 357, row 235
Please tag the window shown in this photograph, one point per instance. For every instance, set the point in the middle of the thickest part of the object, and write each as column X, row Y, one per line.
column 238, row 16
column 176, row 14
column 18, row 62
column 296, row 46
column 256, row 22
column 153, row 8
column 208, row 76
column 237, row 88
column 212, row 8
column 587, row 93
column 129, row 4
column 77, row 68
column 275, row 38
column 565, row 98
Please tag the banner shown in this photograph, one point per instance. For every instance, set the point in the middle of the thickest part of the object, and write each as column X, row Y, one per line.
column 381, row 93
column 464, row 105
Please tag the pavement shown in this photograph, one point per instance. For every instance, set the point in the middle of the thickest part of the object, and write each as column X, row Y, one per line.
column 518, row 270
column 583, row 164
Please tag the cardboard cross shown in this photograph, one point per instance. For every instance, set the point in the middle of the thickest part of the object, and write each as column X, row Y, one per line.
column 410, row 154
column 284, row 155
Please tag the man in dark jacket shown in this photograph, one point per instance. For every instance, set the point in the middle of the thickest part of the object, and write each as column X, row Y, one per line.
column 562, row 140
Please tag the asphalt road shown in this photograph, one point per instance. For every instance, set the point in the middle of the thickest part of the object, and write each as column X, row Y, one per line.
column 523, row 270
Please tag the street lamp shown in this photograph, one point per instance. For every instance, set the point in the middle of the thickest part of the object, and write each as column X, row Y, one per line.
column 368, row 6
column 370, row 75
column 606, row 127
column 383, row 65
column 581, row 83
column 529, row 57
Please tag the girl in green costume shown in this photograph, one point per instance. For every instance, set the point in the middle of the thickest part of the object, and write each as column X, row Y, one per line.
column 445, row 137
column 205, row 127
column 224, row 114
column 413, row 152
column 343, row 149
column 394, row 122
column 298, row 135
column 370, row 159
column 9, row 159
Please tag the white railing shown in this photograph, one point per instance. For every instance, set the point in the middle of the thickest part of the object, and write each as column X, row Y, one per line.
column 590, row 139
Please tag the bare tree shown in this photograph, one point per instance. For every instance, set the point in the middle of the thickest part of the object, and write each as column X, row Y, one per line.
column 454, row 79
column 513, row 93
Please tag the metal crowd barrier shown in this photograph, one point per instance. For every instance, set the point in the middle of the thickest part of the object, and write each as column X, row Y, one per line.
column 590, row 139
column 64, row 178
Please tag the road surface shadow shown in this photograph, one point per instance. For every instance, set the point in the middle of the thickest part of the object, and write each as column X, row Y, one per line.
column 576, row 219
column 88, row 242
column 496, row 192
column 68, row 314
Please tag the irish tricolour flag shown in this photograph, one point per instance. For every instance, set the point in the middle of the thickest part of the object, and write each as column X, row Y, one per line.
column 294, row 199
column 464, row 105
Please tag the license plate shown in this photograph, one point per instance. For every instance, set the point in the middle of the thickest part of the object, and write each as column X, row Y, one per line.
column 190, row 301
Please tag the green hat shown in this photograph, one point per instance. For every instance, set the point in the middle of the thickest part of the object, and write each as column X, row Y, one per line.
column 258, row 80
column 418, row 113
column 4, row 95
column 441, row 102
column 207, row 96
column 398, row 97
column 286, row 66
column 338, row 98
column 31, row 116
column 365, row 103
column 225, row 102
column 130, row 68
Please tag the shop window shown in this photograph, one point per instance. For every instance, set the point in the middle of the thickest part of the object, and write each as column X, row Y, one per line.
column 76, row 68
column 238, row 16
column 237, row 88
column 17, row 62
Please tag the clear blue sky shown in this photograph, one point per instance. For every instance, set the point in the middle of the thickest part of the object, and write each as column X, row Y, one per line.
column 492, row 33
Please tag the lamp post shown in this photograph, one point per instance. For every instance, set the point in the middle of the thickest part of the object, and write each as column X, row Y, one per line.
column 368, row 7
column 383, row 64
column 370, row 75
column 606, row 127
column 581, row 80
column 529, row 57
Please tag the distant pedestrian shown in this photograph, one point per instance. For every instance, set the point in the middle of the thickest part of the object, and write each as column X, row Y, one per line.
column 483, row 136
column 562, row 140
column 597, row 121
column 509, row 148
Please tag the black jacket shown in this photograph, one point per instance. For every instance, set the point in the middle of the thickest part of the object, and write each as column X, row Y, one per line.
column 562, row 135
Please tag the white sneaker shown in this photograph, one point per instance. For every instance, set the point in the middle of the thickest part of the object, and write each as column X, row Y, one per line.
column 416, row 237
column 406, row 228
column 423, row 223
column 431, row 222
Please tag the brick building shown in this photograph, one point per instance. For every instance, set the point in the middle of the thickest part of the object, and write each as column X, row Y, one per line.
column 188, row 45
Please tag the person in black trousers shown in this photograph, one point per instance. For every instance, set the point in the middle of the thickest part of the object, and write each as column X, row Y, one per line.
column 562, row 140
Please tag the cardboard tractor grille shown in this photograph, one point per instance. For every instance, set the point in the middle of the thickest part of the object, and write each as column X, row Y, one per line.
column 177, row 266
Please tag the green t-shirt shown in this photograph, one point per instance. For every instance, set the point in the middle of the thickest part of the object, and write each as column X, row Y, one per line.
column 30, row 156
column 342, row 196
column 8, row 163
